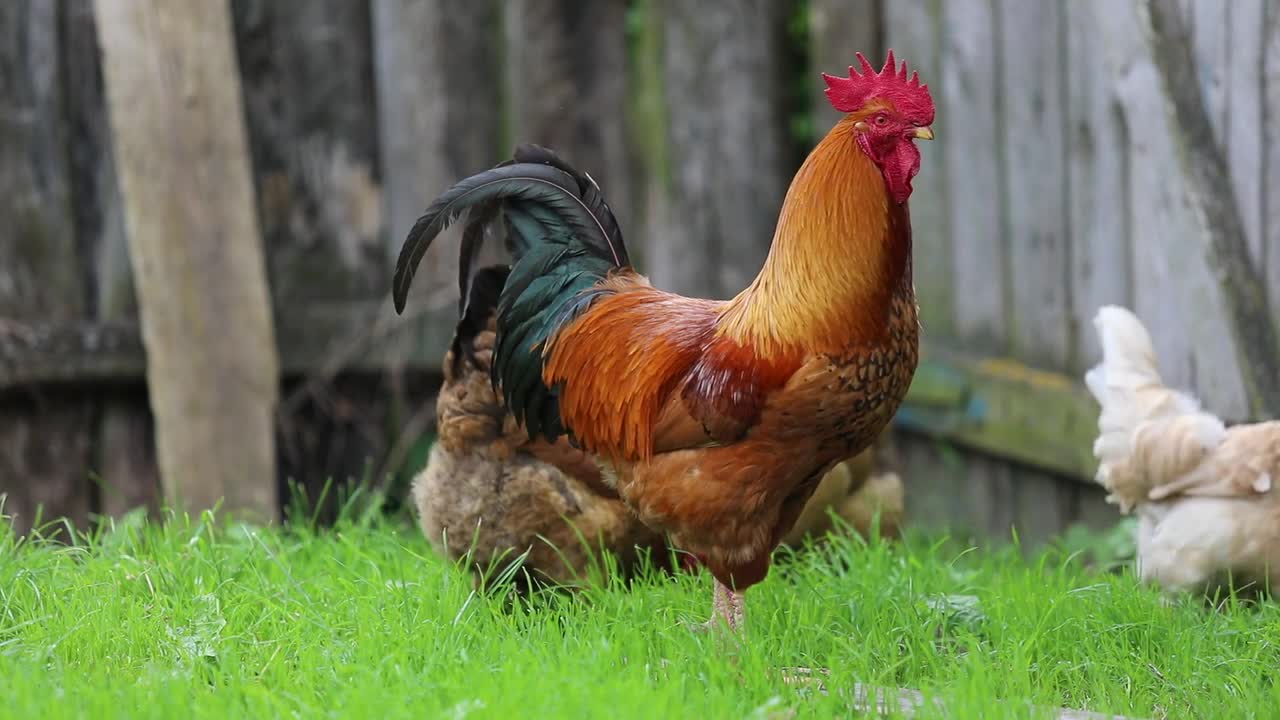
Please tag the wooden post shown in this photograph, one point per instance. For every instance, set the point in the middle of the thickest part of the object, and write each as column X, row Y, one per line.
column 173, row 95
column 44, row 436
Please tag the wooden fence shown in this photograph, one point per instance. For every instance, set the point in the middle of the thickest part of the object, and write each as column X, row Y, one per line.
column 1058, row 182
column 1063, row 183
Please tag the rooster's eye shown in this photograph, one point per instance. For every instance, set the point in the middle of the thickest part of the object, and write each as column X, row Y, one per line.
column 881, row 120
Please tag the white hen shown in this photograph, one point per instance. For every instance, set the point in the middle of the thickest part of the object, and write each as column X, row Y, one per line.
column 1203, row 493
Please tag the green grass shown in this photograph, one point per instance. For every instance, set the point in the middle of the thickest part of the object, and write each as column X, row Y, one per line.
column 191, row 619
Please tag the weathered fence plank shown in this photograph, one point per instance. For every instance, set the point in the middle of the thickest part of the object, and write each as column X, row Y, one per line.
column 714, row 193
column 1034, row 157
column 1225, row 251
column 1044, row 505
column 312, row 119
column 44, row 352
column 439, row 90
column 986, row 491
column 1038, row 418
column 1174, row 292
column 837, row 30
column 969, row 492
column 930, row 468
column 1097, row 176
column 39, row 274
column 967, row 89
column 915, row 29
column 177, row 120
column 439, row 81
column 1154, row 192
column 44, row 458
column 44, row 436
column 948, row 488
column 1271, row 148
column 124, row 458
column 1243, row 137
column 568, row 89
column 1212, row 46
column 310, row 113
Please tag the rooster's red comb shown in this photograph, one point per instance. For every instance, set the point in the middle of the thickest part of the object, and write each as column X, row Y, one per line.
column 912, row 99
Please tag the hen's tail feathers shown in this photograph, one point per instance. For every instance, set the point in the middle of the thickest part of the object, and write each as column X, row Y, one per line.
column 478, row 307
column 1148, row 433
column 564, row 240
column 1165, row 452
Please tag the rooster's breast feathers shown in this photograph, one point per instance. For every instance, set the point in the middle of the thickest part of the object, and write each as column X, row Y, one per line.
column 643, row 372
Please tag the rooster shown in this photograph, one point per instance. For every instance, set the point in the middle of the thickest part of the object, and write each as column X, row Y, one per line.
column 489, row 494
column 1204, row 493
column 714, row 420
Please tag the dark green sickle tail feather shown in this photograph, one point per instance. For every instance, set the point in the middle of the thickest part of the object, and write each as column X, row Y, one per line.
column 563, row 239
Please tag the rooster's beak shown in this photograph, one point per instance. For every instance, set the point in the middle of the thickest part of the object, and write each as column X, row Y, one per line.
column 924, row 133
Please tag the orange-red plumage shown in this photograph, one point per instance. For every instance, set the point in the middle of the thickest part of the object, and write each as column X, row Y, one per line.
column 618, row 362
column 641, row 360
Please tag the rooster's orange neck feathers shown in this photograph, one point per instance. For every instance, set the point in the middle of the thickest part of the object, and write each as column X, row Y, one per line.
column 840, row 251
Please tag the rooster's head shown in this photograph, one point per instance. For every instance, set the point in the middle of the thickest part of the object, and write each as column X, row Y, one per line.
column 888, row 111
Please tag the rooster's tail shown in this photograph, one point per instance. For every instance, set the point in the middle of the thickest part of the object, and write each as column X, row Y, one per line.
column 563, row 239
column 1148, row 433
